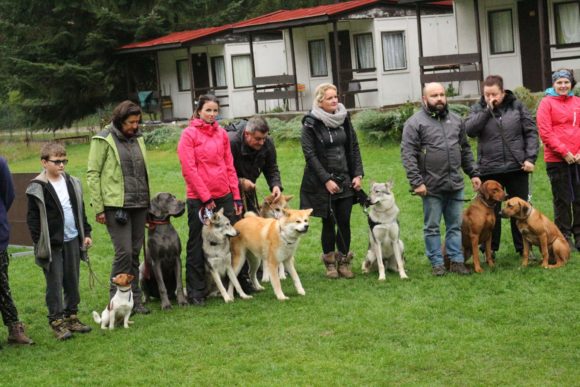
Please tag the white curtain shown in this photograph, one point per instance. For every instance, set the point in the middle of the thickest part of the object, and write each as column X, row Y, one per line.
column 242, row 69
column 569, row 23
column 219, row 71
column 501, row 31
column 364, row 51
column 394, row 56
column 183, row 77
column 318, row 58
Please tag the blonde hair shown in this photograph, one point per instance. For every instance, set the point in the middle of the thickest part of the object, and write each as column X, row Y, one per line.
column 321, row 90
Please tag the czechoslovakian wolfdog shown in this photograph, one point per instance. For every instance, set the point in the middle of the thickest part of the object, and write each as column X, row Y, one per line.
column 216, row 234
column 384, row 242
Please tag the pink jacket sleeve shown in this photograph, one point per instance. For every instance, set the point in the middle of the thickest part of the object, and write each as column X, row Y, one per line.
column 231, row 170
column 549, row 137
column 186, row 153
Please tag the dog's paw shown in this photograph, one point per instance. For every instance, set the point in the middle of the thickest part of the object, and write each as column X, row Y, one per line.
column 382, row 278
column 166, row 306
column 302, row 292
column 228, row 299
column 245, row 296
column 282, row 298
column 403, row 275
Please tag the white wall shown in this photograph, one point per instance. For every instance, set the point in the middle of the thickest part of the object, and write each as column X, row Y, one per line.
column 269, row 61
column 561, row 52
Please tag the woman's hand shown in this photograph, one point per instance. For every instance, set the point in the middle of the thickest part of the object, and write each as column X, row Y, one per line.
column 210, row 205
column 100, row 218
column 570, row 158
column 356, row 183
column 528, row 166
column 332, row 187
column 88, row 242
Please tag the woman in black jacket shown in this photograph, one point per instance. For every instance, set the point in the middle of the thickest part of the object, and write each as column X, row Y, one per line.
column 507, row 146
column 332, row 174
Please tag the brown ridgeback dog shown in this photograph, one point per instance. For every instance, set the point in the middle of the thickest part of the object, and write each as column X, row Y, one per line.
column 538, row 230
column 479, row 221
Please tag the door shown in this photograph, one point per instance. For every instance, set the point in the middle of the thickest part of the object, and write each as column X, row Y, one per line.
column 530, row 45
column 200, row 74
column 345, row 65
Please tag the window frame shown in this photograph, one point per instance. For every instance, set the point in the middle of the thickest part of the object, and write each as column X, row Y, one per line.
column 310, row 63
column 557, row 26
column 403, row 33
column 213, row 72
column 179, row 79
column 233, row 71
column 358, row 64
column 491, row 35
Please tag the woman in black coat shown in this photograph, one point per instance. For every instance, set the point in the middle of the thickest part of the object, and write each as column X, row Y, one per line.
column 332, row 174
column 507, row 146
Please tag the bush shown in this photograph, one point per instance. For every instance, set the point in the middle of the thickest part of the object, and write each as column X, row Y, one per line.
column 285, row 130
column 529, row 99
column 163, row 136
column 378, row 127
column 459, row 109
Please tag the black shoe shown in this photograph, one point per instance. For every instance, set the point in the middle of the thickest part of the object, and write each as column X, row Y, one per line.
column 247, row 286
column 140, row 309
column 196, row 301
column 459, row 268
column 439, row 271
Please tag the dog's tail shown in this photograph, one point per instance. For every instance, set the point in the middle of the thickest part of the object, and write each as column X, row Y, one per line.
column 96, row 317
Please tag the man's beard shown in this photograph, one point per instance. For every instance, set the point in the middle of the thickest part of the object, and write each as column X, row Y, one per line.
column 438, row 108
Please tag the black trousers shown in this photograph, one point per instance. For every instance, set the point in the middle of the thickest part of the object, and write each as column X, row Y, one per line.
column 62, row 281
column 516, row 185
column 7, row 307
column 195, row 262
column 565, row 181
column 128, row 241
column 336, row 232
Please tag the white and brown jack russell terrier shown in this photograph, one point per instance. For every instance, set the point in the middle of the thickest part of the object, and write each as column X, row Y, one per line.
column 120, row 306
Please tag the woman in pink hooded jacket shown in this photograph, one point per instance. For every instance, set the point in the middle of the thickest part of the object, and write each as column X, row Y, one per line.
column 558, row 120
column 210, row 177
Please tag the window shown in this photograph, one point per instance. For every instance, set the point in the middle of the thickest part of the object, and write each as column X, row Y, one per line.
column 183, row 83
column 501, row 31
column 365, row 56
column 317, row 53
column 394, row 54
column 567, row 22
column 242, row 69
column 218, row 70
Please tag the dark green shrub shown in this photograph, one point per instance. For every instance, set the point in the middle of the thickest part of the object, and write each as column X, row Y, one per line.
column 163, row 136
column 529, row 99
column 378, row 126
column 459, row 109
column 285, row 130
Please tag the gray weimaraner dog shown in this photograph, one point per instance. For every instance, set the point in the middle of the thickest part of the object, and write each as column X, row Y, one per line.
column 163, row 255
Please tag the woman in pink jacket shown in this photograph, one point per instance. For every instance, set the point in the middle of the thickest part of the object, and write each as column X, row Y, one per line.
column 208, row 169
column 558, row 120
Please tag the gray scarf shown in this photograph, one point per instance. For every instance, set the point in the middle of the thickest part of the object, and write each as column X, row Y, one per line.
column 331, row 120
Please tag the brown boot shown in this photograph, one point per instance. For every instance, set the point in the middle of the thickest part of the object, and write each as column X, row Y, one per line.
column 330, row 263
column 16, row 334
column 75, row 325
column 344, row 266
column 60, row 329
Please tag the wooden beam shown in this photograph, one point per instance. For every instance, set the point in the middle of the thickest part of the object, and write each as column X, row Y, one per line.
column 452, row 76
column 336, row 57
column 278, row 94
column 191, row 83
column 250, row 38
column 292, row 53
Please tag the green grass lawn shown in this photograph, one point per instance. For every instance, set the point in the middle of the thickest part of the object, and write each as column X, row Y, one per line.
column 507, row 326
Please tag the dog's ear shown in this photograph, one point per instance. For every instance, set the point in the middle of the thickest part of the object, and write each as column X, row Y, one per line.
column 308, row 211
column 524, row 210
column 154, row 207
column 221, row 211
column 390, row 184
column 288, row 197
column 130, row 277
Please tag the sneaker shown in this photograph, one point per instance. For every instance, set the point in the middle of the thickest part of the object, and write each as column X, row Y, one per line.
column 60, row 330
column 439, row 270
column 459, row 268
column 140, row 309
column 75, row 325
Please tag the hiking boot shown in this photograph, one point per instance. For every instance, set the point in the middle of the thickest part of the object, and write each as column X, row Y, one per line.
column 16, row 334
column 196, row 301
column 140, row 309
column 344, row 267
column 60, row 329
column 459, row 268
column 439, row 270
column 75, row 325
column 330, row 264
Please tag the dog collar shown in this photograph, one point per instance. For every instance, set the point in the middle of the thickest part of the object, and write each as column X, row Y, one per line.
column 151, row 224
column 482, row 199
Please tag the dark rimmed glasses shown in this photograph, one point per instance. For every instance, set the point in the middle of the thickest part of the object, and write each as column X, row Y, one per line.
column 59, row 162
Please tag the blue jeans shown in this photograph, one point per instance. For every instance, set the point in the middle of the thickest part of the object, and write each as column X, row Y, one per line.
column 449, row 205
